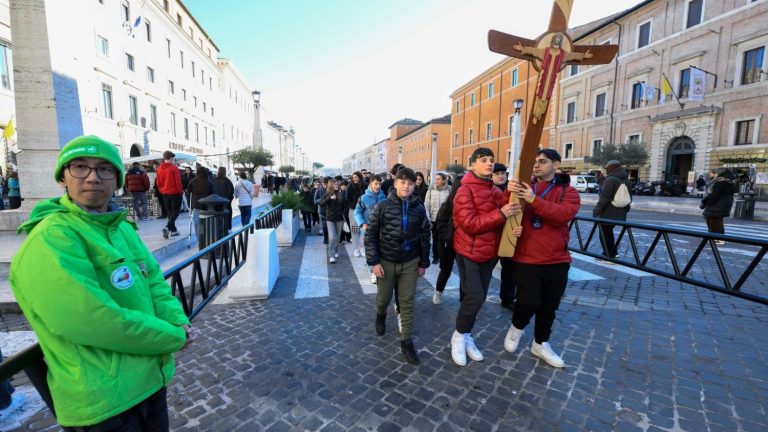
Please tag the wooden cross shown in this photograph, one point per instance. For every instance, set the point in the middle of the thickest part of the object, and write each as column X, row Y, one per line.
column 550, row 54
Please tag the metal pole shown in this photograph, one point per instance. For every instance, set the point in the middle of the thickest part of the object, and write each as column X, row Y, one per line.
column 433, row 167
column 514, row 155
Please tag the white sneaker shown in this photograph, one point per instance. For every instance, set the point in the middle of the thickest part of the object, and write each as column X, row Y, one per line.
column 362, row 252
column 336, row 255
column 544, row 352
column 374, row 279
column 437, row 297
column 471, row 348
column 357, row 253
column 720, row 242
column 512, row 339
column 399, row 324
column 332, row 260
column 458, row 349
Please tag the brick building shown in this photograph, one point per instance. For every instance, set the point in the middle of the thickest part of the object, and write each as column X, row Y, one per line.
column 416, row 145
column 673, row 38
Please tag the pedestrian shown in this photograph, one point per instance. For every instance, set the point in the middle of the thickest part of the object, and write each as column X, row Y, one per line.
column 372, row 196
column 186, row 176
column 397, row 247
column 480, row 210
column 160, row 199
column 701, row 183
column 14, row 190
column 2, row 190
column 225, row 189
column 200, row 187
column 718, row 201
column 137, row 183
column 169, row 183
column 355, row 190
column 609, row 206
column 421, row 186
column 102, row 311
column 506, row 284
column 265, row 183
column 346, row 234
column 333, row 202
column 315, row 214
column 307, row 198
column 390, row 180
column 444, row 241
column 541, row 256
column 318, row 196
column 433, row 200
column 244, row 190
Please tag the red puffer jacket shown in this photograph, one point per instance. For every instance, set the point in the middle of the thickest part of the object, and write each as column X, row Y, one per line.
column 477, row 218
column 548, row 245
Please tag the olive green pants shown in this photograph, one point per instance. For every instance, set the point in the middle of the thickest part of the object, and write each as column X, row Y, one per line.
column 405, row 276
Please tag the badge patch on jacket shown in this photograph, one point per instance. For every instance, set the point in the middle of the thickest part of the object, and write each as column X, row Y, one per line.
column 122, row 278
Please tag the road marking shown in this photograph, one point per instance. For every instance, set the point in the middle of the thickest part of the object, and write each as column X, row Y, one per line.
column 617, row 267
column 434, row 270
column 313, row 275
column 361, row 271
column 574, row 274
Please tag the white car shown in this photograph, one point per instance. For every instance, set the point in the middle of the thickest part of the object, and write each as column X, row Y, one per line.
column 584, row 183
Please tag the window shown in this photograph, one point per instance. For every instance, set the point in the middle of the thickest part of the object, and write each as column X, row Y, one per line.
column 148, row 28
column 103, row 46
column 153, row 117
column 5, row 70
column 490, row 90
column 133, row 116
column 106, row 100
column 129, row 62
column 744, row 132
column 694, row 13
column 193, row 69
column 684, row 84
column 472, row 99
column 194, row 101
column 171, row 87
column 570, row 115
column 752, row 66
column 574, row 70
column 173, row 124
column 202, row 77
column 455, row 140
column 150, row 74
column 197, row 132
column 166, row 6
column 205, row 107
column 168, row 47
column 181, row 58
column 213, row 137
column 514, row 78
column 186, row 128
column 126, row 11
column 643, row 34
column 184, row 94
column 178, row 19
column 210, row 83
column 597, row 144
column 205, row 134
column 637, row 95
column 600, row 105
column 568, row 151
column 633, row 139
column 488, row 131
column 457, row 106
column 471, row 136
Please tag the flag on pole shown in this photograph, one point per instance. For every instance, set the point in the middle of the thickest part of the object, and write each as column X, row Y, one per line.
column 650, row 93
column 666, row 90
column 698, row 85
column 10, row 130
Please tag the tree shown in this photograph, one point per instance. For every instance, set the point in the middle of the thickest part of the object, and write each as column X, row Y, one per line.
column 286, row 169
column 251, row 159
column 302, row 173
column 633, row 154
column 603, row 154
column 456, row 169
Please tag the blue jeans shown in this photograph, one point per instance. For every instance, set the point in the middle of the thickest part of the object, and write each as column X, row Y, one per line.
column 245, row 215
column 334, row 236
column 5, row 390
column 140, row 204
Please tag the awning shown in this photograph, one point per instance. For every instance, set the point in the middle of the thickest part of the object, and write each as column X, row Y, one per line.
column 147, row 158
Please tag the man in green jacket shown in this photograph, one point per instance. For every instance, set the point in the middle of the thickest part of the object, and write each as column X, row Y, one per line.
column 97, row 300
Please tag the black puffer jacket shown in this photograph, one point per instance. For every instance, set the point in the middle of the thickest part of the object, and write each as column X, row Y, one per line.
column 604, row 209
column 334, row 208
column 720, row 198
column 307, row 197
column 354, row 192
column 385, row 237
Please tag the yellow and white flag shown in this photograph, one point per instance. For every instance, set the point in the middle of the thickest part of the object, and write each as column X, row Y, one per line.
column 10, row 130
column 666, row 90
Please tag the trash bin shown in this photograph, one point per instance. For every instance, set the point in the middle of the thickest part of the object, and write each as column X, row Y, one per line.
column 745, row 206
column 213, row 220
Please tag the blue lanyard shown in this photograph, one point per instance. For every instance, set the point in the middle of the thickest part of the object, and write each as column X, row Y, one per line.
column 405, row 216
column 546, row 191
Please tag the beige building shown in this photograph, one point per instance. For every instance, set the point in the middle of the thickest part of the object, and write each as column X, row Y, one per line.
column 676, row 39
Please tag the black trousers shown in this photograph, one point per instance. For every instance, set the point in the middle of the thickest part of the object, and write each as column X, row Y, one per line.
column 607, row 240
column 172, row 206
column 474, row 281
column 151, row 415
column 446, row 255
column 539, row 290
column 715, row 225
column 435, row 241
column 307, row 220
column 507, row 286
column 161, row 202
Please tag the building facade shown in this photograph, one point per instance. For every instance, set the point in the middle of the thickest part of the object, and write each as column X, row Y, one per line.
column 416, row 145
column 372, row 158
column 7, row 103
column 678, row 40
column 397, row 130
column 237, row 125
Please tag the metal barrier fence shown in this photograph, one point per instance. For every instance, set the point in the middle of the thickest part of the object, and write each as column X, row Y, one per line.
column 650, row 262
column 222, row 260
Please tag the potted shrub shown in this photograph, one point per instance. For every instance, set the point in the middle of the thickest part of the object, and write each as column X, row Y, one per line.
column 291, row 224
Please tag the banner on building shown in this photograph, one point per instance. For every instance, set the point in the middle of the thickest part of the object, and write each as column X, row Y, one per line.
column 666, row 90
column 698, row 85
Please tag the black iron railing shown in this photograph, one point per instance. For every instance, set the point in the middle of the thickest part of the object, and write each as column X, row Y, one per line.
column 668, row 263
column 207, row 272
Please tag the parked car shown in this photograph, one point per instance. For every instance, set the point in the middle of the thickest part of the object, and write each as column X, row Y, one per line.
column 584, row 183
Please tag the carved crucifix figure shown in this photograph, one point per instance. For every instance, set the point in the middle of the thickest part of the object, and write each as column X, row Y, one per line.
column 550, row 54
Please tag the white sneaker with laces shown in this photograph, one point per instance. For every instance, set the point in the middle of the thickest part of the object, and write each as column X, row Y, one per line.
column 544, row 352
column 357, row 253
column 399, row 324
column 458, row 349
column 374, row 279
column 332, row 260
column 471, row 348
column 512, row 339
column 437, row 297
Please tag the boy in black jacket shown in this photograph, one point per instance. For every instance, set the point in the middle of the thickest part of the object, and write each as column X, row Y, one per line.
column 397, row 247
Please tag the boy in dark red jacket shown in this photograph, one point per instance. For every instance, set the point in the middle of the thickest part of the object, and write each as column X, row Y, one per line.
column 542, row 260
column 137, row 183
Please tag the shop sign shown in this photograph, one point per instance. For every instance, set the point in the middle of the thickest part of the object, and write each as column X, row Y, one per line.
column 739, row 165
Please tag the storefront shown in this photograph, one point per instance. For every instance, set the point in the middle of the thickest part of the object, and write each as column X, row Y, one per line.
column 751, row 170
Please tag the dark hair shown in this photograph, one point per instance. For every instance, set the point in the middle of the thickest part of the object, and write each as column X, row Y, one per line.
column 420, row 174
column 376, row 177
column 358, row 174
column 406, row 174
column 479, row 153
column 550, row 154
column 454, row 189
column 242, row 175
column 222, row 172
column 395, row 168
column 168, row 155
column 441, row 175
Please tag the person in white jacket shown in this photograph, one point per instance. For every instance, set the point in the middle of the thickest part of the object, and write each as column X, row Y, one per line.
column 244, row 193
column 436, row 196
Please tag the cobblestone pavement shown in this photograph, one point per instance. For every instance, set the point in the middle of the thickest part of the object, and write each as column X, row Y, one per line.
column 642, row 354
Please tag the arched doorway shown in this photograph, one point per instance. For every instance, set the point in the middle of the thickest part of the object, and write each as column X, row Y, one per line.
column 135, row 150
column 680, row 158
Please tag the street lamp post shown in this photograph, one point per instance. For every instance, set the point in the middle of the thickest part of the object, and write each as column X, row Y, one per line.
column 514, row 155
column 433, row 165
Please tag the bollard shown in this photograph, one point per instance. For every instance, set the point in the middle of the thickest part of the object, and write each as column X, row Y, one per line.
column 213, row 214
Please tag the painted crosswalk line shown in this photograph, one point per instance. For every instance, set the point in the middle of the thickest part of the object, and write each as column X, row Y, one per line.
column 313, row 275
column 361, row 271
column 574, row 274
column 617, row 267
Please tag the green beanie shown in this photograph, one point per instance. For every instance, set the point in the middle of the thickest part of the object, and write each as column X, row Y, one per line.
column 90, row 146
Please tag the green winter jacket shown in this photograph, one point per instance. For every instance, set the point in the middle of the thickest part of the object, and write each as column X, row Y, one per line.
column 98, row 302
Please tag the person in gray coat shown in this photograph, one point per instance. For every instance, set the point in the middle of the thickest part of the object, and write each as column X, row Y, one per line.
column 616, row 176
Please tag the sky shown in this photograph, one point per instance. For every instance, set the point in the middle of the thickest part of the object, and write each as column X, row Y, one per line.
column 340, row 72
